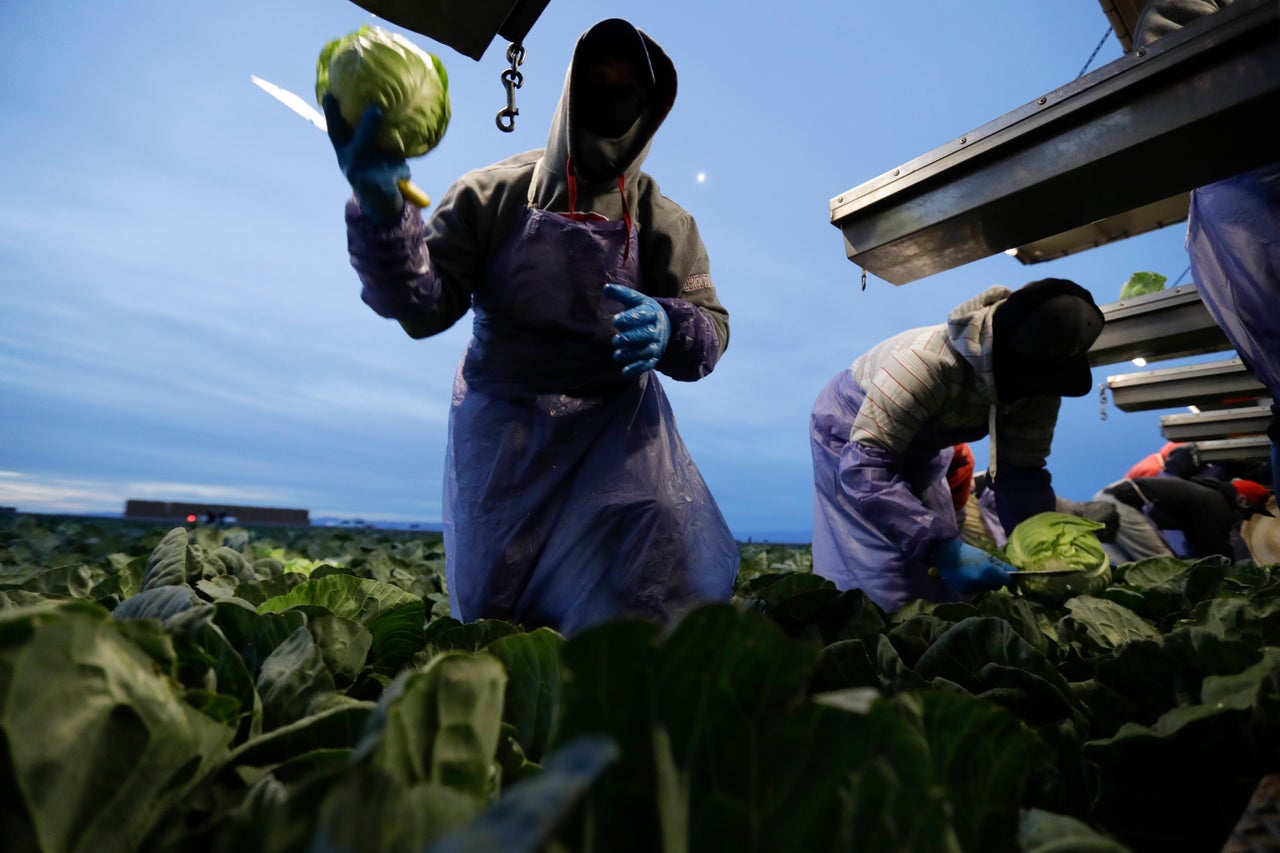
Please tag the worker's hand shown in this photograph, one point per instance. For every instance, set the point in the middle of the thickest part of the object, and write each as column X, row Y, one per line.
column 967, row 569
column 643, row 330
column 373, row 174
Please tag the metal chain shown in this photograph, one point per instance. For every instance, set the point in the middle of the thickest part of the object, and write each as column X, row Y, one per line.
column 512, row 79
column 1102, row 400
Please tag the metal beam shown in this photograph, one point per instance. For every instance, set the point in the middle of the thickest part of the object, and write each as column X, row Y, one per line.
column 1122, row 226
column 1185, row 111
column 1168, row 324
column 1227, row 423
column 1212, row 385
column 1234, row 449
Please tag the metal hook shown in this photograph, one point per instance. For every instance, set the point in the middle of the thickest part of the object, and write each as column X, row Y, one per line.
column 512, row 79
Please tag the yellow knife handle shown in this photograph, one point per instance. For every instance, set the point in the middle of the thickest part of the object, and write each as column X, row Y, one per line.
column 413, row 194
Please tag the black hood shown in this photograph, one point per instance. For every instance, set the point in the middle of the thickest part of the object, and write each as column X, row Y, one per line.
column 583, row 119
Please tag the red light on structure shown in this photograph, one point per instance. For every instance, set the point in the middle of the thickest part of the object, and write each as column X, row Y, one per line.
column 191, row 519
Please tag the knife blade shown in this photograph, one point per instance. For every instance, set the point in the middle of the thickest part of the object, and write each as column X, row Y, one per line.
column 1019, row 573
column 411, row 192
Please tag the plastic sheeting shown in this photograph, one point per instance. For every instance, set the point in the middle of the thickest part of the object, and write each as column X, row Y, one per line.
column 1233, row 238
column 570, row 497
column 875, row 517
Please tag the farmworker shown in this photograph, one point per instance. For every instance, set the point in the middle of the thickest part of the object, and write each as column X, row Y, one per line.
column 883, row 433
column 570, row 497
column 1261, row 534
column 960, row 476
column 1233, row 239
column 980, row 523
column 1190, row 518
column 973, row 519
column 1174, row 459
column 1233, row 236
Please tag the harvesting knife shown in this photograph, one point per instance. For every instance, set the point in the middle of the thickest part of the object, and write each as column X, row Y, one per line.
column 1021, row 573
column 408, row 189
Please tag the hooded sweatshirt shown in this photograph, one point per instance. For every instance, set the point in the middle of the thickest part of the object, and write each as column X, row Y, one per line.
column 424, row 274
column 933, row 387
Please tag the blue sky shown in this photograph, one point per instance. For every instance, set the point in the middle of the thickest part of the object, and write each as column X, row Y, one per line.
column 178, row 319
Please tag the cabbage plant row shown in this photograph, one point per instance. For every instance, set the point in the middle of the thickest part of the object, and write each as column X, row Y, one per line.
column 211, row 689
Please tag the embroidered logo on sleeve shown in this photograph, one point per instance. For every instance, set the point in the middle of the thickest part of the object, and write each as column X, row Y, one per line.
column 701, row 281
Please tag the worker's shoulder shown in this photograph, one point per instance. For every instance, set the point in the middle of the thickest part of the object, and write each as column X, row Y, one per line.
column 493, row 185
column 508, row 170
column 658, row 210
column 1215, row 484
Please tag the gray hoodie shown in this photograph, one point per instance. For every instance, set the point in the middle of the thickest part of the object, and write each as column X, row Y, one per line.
column 423, row 274
column 935, row 386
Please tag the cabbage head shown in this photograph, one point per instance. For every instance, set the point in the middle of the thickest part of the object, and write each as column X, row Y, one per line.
column 1057, row 540
column 375, row 66
column 1142, row 283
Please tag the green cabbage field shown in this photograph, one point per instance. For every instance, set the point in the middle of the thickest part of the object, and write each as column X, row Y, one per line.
column 242, row 689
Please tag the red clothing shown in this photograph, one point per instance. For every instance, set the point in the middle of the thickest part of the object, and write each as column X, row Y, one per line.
column 960, row 475
column 1153, row 465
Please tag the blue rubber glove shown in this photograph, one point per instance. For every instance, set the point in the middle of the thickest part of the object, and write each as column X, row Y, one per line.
column 373, row 174
column 643, row 330
column 967, row 569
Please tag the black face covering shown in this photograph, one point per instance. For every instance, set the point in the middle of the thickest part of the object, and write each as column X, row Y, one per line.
column 613, row 78
column 607, row 110
column 601, row 158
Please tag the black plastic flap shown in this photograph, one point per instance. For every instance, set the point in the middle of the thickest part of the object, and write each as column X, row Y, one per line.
column 467, row 26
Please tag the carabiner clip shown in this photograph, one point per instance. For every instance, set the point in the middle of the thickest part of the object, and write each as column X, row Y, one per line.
column 512, row 79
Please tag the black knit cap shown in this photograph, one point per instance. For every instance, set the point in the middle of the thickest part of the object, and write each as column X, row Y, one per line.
column 1042, row 334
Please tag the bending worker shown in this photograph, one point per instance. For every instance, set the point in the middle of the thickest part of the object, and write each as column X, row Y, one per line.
column 883, row 431
column 1191, row 518
column 569, row 496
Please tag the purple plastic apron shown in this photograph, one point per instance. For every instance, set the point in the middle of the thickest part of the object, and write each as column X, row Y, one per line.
column 1233, row 237
column 853, row 550
column 570, row 498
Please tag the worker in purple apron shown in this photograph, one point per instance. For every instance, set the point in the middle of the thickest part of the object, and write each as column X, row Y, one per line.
column 569, row 496
column 1233, row 239
column 883, row 432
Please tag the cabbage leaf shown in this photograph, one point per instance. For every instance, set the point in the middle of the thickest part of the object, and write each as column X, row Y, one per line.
column 1052, row 541
column 1142, row 283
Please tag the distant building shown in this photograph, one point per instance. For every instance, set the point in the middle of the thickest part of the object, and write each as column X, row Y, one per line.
column 215, row 513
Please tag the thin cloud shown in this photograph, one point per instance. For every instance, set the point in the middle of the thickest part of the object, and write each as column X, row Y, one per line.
column 51, row 495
